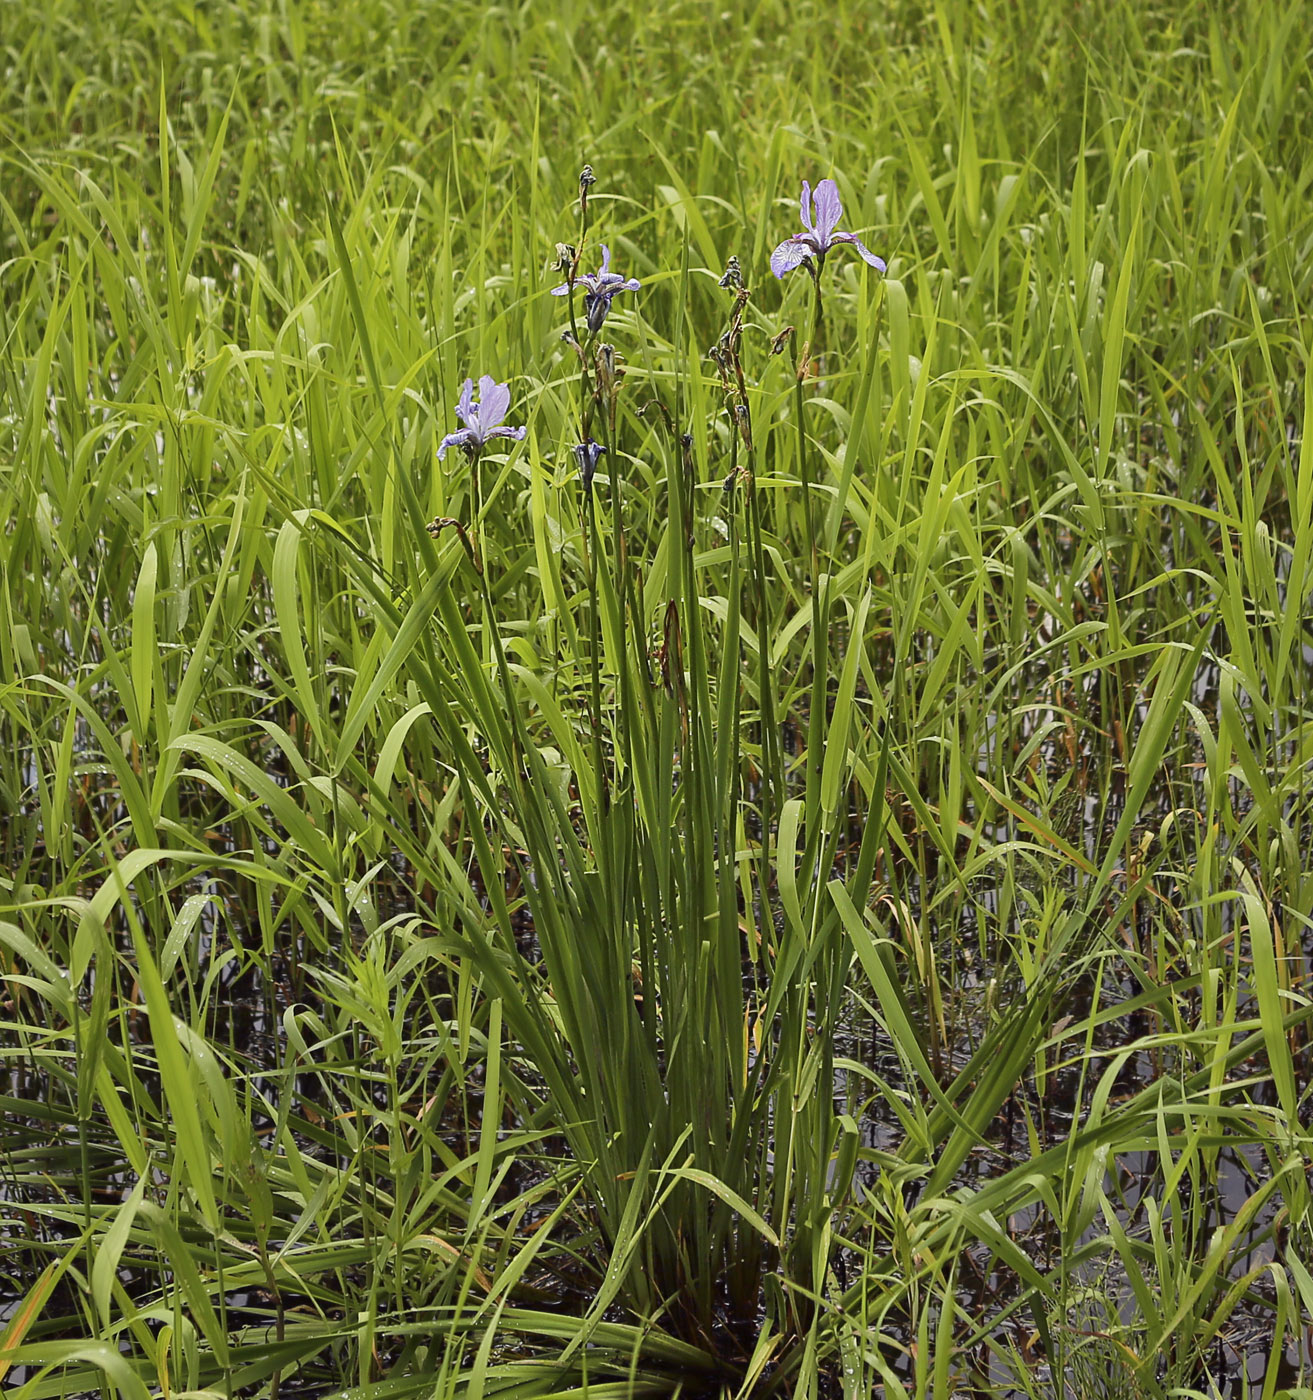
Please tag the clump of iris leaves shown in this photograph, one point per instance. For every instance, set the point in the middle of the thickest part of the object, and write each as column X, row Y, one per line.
column 728, row 824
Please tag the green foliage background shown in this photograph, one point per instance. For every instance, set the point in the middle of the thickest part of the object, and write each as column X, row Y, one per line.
column 288, row 1095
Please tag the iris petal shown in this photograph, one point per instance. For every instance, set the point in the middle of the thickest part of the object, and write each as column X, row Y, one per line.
column 790, row 254
column 876, row 262
column 465, row 409
column 828, row 209
column 464, row 437
column 494, row 403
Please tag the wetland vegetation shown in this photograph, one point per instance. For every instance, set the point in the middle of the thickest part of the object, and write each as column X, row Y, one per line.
column 604, row 793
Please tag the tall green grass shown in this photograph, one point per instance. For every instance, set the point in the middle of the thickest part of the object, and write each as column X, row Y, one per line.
column 828, row 912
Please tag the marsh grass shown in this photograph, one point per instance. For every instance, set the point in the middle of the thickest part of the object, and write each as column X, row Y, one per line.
column 734, row 938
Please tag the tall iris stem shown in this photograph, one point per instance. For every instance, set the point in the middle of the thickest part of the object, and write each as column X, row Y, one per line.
column 492, row 636
column 591, row 547
column 475, row 545
column 817, row 347
column 606, row 429
column 816, row 722
column 476, row 491
column 590, row 536
column 730, row 785
column 585, row 387
column 772, row 775
column 804, row 461
column 620, row 566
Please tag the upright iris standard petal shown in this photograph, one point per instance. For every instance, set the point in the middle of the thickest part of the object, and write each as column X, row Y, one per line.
column 466, row 410
column 494, row 402
column 820, row 215
column 482, row 417
column 828, row 209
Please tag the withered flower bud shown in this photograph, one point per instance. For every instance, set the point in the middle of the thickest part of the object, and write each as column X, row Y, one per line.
column 718, row 357
column 609, row 371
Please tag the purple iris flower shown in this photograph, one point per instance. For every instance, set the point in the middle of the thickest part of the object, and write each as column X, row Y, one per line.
column 482, row 417
column 820, row 235
column 601, row 286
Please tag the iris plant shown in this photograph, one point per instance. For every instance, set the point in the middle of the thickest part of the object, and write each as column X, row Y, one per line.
column 820, row 216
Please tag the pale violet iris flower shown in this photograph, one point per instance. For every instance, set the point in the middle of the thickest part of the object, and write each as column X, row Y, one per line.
column 482, row 417
column 600, row 287
column 820, row 217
